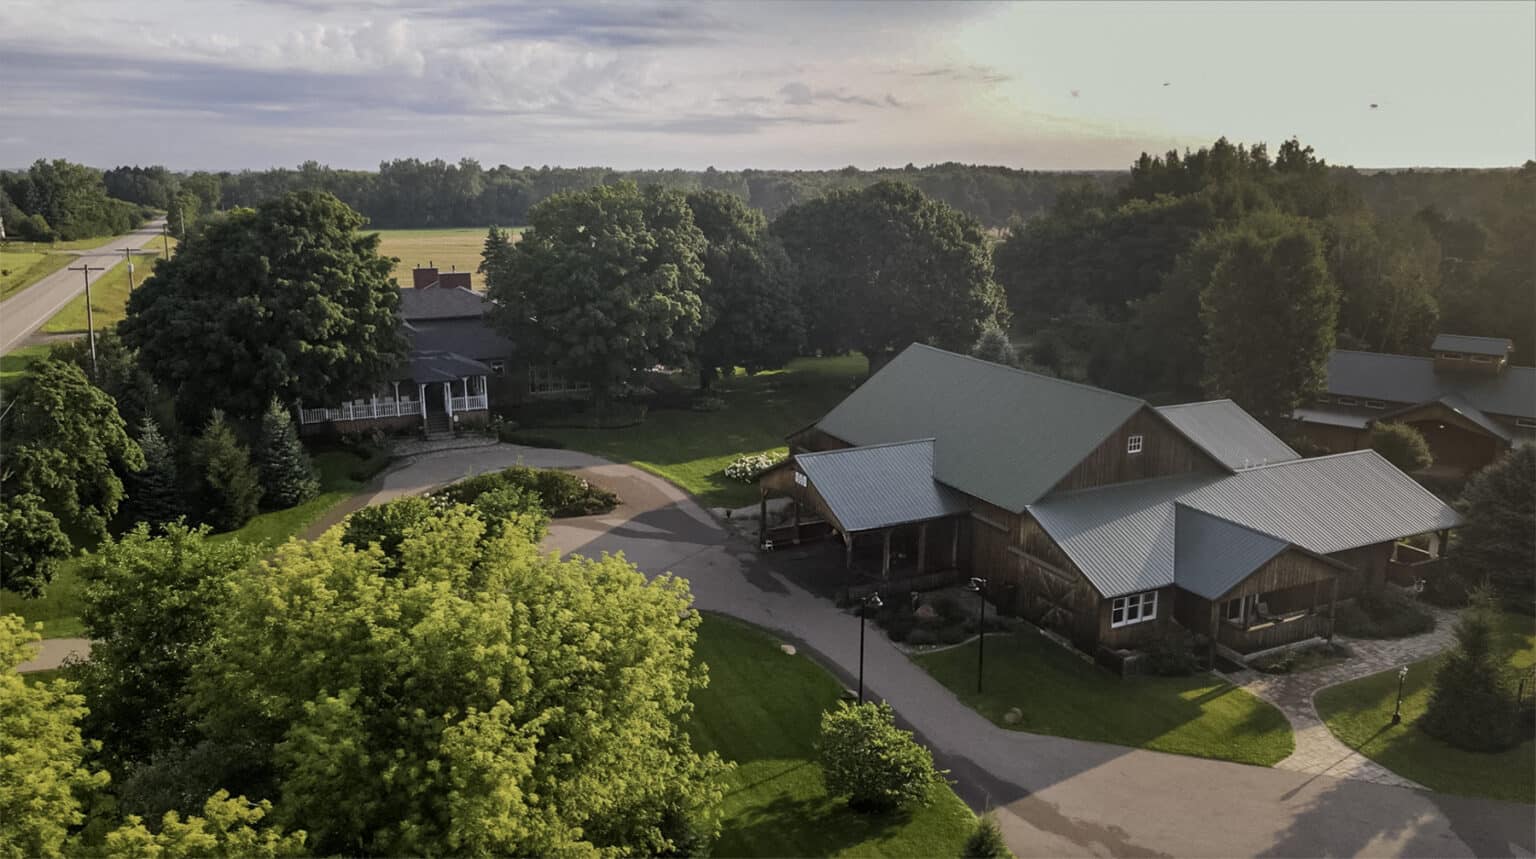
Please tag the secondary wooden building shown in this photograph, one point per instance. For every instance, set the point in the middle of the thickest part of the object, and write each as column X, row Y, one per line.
column 1096, row 515
column 1468, row 401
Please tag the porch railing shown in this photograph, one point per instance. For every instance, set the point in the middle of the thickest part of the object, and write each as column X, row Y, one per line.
column 1274, row 631
column 364, row 411
column 470, row 404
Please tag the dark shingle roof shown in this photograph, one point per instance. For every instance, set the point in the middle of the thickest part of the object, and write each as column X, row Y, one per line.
column 1003, row 435
column 1406, row 379
column 1228, row 433
column 439, row 303
column 881, row 485
column 470, row 337
column 1496, row 346
column 443, row 367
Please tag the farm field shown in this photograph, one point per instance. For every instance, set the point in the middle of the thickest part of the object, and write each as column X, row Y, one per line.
column 456, row 249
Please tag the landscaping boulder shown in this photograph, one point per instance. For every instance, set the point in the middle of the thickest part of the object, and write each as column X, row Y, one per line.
column 1013, row 716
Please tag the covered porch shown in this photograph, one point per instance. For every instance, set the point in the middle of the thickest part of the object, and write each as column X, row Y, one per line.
column 880, row 502
column 432, row 392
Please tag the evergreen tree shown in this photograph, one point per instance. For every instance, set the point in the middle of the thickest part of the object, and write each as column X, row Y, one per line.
column 154, row 493
column 287, row 476
column 986, row 841
column 227, row 483
column 496, row 258
column 1499, row 539
column 1471, row 706
column 994, row 346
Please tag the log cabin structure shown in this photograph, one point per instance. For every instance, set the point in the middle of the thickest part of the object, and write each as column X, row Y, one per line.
column 1094, row 514
column 1466, row 399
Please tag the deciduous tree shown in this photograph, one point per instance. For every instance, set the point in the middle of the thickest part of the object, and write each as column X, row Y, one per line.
column 1268, row 311
column 1401, row 445
column 31, row 544
column 603, row 282
column 478, row 697
column 288, row 300
column 883, row 267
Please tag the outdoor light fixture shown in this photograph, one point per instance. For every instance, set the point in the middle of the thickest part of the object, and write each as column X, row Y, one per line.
column 869, row 602
column 1397, row 710
column 979, row 585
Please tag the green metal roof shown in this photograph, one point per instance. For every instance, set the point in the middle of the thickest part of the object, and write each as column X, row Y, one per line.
column 1229, row 434
column 1000, row 434
column 1212, row 555
column 882, row 485
column 1495, row 346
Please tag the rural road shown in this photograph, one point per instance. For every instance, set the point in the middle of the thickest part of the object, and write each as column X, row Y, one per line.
column 1053, row 796
column 26, row 311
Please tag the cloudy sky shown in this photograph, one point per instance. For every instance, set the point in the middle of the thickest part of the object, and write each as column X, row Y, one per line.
column 221, row 85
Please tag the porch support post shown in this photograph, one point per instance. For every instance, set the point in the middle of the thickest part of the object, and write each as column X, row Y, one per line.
column 397, row 398
column 762, row 516
column 1333, row 603
column 795, row 503
column 885, row 554
column 922, row 548
column 847, row 551
column 421, row 397
column 954, row 542
column 373, row 403
column 448, row 401
column 1215, row 628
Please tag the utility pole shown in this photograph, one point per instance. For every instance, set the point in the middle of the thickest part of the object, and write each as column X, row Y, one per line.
column 165, row 237
column 85, row 269
column 128, row 254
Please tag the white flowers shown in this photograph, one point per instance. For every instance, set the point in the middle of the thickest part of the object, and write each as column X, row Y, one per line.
column 748, row 467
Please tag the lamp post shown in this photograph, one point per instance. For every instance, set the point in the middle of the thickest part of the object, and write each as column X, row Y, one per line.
column 869, row 602
column 979, row 585
column 1397, row 710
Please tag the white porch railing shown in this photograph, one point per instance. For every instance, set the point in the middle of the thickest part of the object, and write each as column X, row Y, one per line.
column 470, row 404
column 363, row 411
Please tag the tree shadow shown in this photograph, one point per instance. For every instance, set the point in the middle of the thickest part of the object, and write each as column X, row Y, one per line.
column 805, row 826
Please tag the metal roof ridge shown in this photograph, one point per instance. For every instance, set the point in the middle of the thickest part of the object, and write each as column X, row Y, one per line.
column 1201, row 403
column 816, row 453
column 1179, row 502
column 1308, row 459
column 1023, row 372
column 1188, row 476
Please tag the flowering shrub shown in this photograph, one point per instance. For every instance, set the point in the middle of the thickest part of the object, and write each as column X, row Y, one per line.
column 748, row 467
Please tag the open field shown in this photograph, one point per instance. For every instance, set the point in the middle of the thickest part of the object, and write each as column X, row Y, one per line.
column 109, row 298
column 1360, row 714
column 451, row 249
column 20, row 269
column 692, row 449
column 1062, row 695
column 762, row 710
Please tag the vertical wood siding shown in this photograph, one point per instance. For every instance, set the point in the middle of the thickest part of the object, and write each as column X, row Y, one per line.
column 1165, row 451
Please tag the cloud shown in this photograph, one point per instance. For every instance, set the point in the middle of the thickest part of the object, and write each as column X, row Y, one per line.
column 800, row 94
column 960, row 73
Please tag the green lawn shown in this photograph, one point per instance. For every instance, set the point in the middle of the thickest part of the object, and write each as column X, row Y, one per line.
column 14, row 364
column 109, row 298
column 762, row 710
column 1359, row 713
column 21, row 269
column 59, row 607
column 1062, row 695
column 691, row 449
column 447, row 249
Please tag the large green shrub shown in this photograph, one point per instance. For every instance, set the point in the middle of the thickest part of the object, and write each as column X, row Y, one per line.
column 560, row 493
column 866, row 758
column 228, row 487
column 1471, row 705
column 1383, row 612
column 1401, row 445
column 1171, row 653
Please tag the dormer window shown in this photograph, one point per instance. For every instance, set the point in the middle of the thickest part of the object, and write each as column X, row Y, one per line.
column 1133, row 444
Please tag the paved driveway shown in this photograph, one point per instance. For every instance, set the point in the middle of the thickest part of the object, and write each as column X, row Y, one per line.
column 1055, row 797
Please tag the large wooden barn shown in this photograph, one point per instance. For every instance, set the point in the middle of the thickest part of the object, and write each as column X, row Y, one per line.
column 1468, row 401
column 1095, row 514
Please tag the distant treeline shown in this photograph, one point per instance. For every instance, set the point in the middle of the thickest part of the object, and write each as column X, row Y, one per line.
column 55, row 200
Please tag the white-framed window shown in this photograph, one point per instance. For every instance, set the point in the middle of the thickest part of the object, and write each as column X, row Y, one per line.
column 1452, row 356
column 1482, row 359
column 544, row 380
column 1133, row 444
column 1375, row 404
column 498, row 368
column 1528, row 423
column 1232, row 610
column 1133, row 608
column 1348, row 401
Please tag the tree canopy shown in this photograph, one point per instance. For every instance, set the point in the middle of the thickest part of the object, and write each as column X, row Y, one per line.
column 1498, row 539
column 604, row 281
column 1269, row 311
column 287, row 300
column 477, row 697
column 753, row 317
column 67, row 200
column 883, row 267
column 1401, row 445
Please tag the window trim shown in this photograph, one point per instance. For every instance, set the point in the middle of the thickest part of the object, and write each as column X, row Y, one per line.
column 498, row 368
column 1527, row 423
column 1375, row 404
column 1452, row 356
column 1144, row 604
column 1135, row 444
column 1347, row 401
column 1482, row 359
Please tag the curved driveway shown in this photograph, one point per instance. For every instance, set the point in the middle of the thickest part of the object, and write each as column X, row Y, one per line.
column 1054, row 796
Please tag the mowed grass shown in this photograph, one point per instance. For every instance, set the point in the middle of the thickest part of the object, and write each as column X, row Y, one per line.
column 109, row 298
column 1360, row 714
column 58, row 609
column 1062, row 695
column 14, row 364
column 762, row 710
column 692, row 449
column 20, row 269
column 450, row 249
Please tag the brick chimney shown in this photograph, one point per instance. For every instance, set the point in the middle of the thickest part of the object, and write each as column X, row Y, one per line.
column 421, row 278
column 451, row 279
